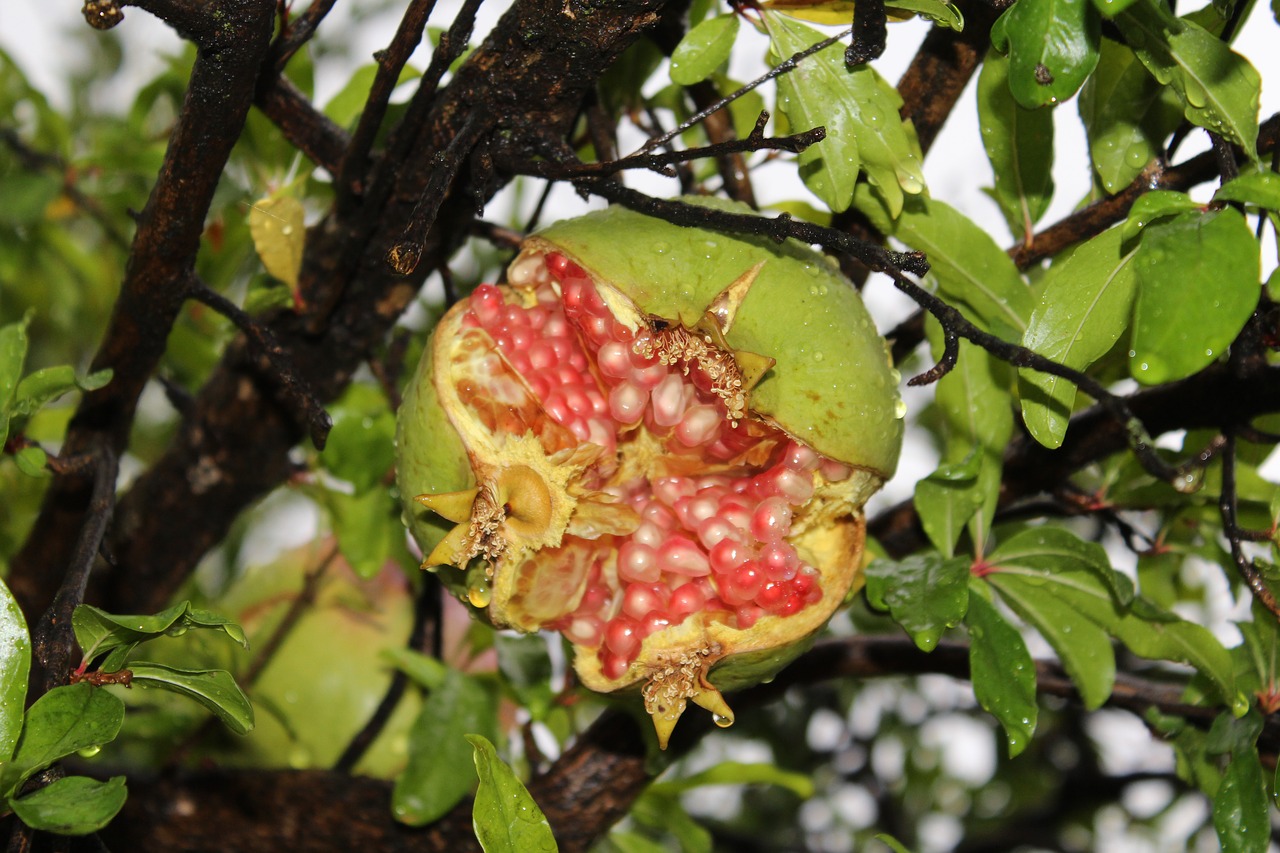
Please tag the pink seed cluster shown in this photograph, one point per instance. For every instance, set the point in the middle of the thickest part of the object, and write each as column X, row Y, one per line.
column 706, row 544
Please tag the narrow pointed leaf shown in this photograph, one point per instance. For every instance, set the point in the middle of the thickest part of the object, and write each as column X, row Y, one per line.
column 15, row 665
column 704, row 49
column 1152, row 207
column 1257, row 188
column 858, row 108
column 1019, row 144
column 432, row 783
column 215, row 689
column 1085, row 304
column 74, row 805
column 947, row 499
column 98, row 631
column 1002, row 671
column 1219, row 89
column 505, row 817
column 1240, row 808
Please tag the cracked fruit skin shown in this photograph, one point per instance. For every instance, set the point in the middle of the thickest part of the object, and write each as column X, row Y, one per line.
column 658, row 441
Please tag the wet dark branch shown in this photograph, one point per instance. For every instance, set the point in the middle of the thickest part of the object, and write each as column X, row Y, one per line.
column 1228, row 508
column 391, row 61
column 309, row 130
column 1215, row 397
column 162, row 257
column 310, row 411
column 756, row 141
column 54, row 642
column 777, row 228
column 593, row 783
column 870, row 27
column 293, row 36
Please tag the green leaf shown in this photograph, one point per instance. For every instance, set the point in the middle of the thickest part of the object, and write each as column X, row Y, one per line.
column 1153, row 206
column 973, row 273
column 704, row 49
column 368, row 528
column 1240, row 808
column 74, row 805
column 27, row 196
column 1002, row 671
column 1052, row 47
column 98, row 631
column 62, row 721
column 427, row 672
column 1198, row 280
column 432, row 783
column 31, row 461
column 506, row 818
column 892, row 843
column 632, row 842
column 50, row 383
column 737, row 773
column 1156, row 634
column 1257, row 188
column 1126, row 115
column 947, row 499
column 1019, row 144
column 924, row 593
column 13, row 352
column 1085, row 303
column 345, row 107
column 361, row 444
column 15, row 666
column 860, row 112
column 1083, row 647
column 1218, row 87
column 215, row 689
column 946, row 15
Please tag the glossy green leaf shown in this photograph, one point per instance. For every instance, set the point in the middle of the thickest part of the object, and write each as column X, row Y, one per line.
column 1218, row 87
column 838, row 13
column 361, row 444
column 215, row 689
column 1156, row 634
column 1126, row 115
column 98, row 631
column 15, row 665
column 1154, row 206
column 946, row 15
column 972, row 272
column 505, row 817
column 924, row 593
column 432, row 782
column 946, row 500
column 1019, row 144
column 1198, row 277
column 13, row 353
column 860, row 112
column 62, row 721
column 1052, row 47
column 1085, row 304
column 704, row 49
column 1083, row 647
column 1057, row 552
column 1257, row 188
column 1002, row 671
column 50, row 383
column 1240, row 808
column 1111, row 8
column 73, row 805
column 737, row 773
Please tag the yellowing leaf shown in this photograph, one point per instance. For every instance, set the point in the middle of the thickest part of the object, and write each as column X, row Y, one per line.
column 278, row 233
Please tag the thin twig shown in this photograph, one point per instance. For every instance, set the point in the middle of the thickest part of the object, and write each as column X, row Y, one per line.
column 1227, row 506
column 776, row 71
column 295, row 391
column 55, row 642
column 391, row 62
column 294, row 36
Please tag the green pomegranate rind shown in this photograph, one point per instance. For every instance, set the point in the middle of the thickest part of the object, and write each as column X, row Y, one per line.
column 832, row 387
column 431, row 458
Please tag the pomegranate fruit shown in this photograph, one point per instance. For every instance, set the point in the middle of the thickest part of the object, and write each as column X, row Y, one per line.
column 657, row 441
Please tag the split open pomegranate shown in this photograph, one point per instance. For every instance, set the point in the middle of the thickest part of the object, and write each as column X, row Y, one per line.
column 656, row 441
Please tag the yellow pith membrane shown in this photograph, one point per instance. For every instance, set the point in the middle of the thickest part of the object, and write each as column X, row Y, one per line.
column 626, row 495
